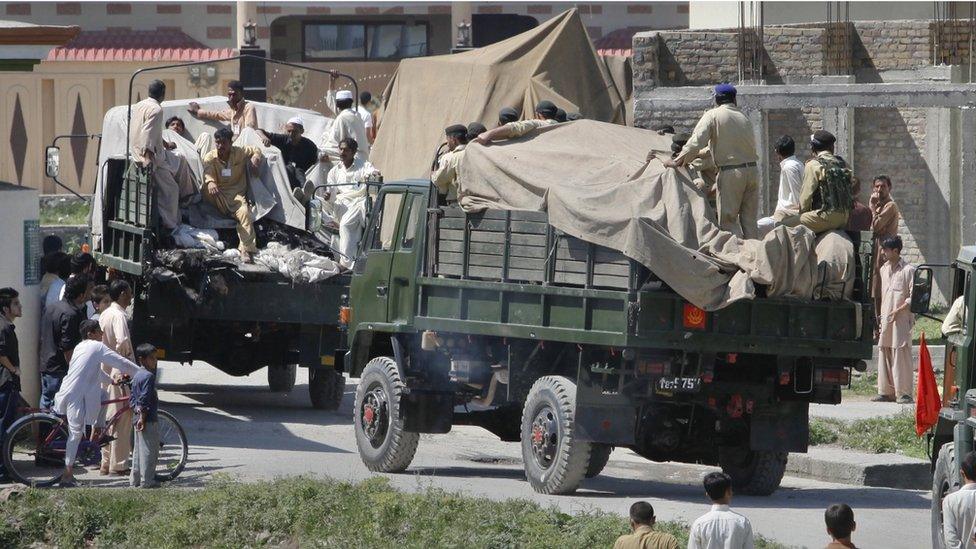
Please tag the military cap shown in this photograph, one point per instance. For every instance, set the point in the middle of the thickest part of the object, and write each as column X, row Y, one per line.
column 546, row 108
column 475, row 129
column 680, row 138
column 456, row 129
column 822, row 138
column 508, row 114
column 725, row 89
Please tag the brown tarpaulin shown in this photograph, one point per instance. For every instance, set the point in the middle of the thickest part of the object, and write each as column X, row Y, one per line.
column 605, row 184
column 554, row 61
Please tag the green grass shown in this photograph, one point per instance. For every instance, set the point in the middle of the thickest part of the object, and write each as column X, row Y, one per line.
column 883, row 435
column 66, row 212
column 863, row 384
column 932, row 328
column 300, row 512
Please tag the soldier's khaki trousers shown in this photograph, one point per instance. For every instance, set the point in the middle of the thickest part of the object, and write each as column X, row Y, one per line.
column 895, row 372
column 738, row 201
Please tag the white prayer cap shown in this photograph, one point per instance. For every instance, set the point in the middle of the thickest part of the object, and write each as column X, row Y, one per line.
column 296, row 120
column 343, row 94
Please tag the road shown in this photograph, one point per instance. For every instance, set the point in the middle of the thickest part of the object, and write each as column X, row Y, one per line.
column 237, row 427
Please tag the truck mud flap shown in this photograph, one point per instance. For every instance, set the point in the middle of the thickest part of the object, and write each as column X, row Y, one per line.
column 784, row 427
column 606, row 425
column 427, row 411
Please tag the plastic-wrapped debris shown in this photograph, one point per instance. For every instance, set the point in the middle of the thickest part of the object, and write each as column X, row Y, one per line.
column 297, row 264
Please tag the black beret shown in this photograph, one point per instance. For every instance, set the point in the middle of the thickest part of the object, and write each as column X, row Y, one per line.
column 822, row 138
column 475, row 129
column 546, row 108
column 456, row 129
column 680, row 138
column 574, row 116
column 508, row 114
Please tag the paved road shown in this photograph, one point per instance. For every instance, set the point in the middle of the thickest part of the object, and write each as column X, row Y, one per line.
column 236, row 426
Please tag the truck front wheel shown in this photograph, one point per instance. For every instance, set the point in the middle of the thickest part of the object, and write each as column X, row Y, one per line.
column 944, row 482
column 383, row 445
column 281, row 377
column 753, row 472
column 325, row 388
column 555, row 461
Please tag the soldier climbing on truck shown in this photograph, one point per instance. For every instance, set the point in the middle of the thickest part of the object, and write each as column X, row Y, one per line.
column 592, row 305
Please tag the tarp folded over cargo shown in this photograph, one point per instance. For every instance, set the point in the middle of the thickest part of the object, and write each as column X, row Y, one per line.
column 554, row 61
column 606, row 184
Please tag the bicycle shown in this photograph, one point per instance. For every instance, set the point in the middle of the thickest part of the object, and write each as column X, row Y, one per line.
column 34, row 446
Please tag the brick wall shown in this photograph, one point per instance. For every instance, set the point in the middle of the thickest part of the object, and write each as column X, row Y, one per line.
column 890, row 45
column 892, row 142
column 698, row 58
column 793, row 53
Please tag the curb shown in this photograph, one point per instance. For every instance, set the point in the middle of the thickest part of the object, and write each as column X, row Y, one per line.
column 860, row 469
column 937, row 352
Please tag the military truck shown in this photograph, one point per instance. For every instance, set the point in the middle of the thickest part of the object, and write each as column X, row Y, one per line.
column 498, row 320
column 236, row 317
column 953, row 435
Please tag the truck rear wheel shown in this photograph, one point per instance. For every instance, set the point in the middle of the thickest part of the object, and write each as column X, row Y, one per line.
column 383, row 445
column 944, row 482
column 555, row 461
column 599, row 456
column 325, row 388
column 281, row 377
column 753, row 472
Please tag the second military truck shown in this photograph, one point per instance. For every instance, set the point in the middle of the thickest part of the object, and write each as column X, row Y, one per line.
column 496, row 319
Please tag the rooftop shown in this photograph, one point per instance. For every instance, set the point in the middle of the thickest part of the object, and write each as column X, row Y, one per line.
column 135, row 45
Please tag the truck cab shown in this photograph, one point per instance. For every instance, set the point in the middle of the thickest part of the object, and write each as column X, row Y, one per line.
column 953, row 436
column 498, row 320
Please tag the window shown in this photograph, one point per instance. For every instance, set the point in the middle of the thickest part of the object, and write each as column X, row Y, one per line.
column 384, row 233
column 352, row 40
column 415, row 213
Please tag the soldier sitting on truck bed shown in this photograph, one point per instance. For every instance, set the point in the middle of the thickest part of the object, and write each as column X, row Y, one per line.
column 225, row 185
column 545, row 115
column 446, row 174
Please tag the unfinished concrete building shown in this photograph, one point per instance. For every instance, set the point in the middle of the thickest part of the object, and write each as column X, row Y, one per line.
column 897, row 94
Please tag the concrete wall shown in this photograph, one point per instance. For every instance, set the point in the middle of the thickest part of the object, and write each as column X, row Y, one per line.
column 713, row 15
column 926, row 148
column 18, row 206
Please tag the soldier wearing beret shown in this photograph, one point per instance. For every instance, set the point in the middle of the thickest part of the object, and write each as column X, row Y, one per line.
column 545, row 115
column 446, row 174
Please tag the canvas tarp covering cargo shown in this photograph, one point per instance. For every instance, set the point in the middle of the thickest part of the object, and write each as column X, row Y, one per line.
column 606, row 184
column 271, row 192
column 553, row 61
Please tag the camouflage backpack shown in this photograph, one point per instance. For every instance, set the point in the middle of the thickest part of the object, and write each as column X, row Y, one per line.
column 835, row 187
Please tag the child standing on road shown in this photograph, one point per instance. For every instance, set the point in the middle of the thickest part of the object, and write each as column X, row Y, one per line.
column 144, row 402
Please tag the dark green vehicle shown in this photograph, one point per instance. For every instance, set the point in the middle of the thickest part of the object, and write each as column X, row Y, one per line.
column 498, row 320
column 953, row 435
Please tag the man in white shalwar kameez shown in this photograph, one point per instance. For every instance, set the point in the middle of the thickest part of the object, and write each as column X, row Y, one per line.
column 349, row 176
column 80, row 395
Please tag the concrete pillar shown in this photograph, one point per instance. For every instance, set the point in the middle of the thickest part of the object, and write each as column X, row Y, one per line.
column 460, row 11
column 245, row 11
column 966, row 181
column 760, row 131
column 941, row 238
column 840, row 122
column 21, row 249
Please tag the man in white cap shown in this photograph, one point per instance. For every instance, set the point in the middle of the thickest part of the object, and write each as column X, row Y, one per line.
column 347, row 123
column 347, row 180
column 298, row 153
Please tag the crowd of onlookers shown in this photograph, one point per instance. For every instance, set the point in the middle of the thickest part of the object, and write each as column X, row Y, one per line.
column 86, row 357
column 723, row 528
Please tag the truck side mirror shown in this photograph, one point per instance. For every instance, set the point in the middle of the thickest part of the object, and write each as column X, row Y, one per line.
column 52, row 162
column 921, row 290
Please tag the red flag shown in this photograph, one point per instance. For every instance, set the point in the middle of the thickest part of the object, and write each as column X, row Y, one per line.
column 927, row 401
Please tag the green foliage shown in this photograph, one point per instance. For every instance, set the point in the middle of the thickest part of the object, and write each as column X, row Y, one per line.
column 882, row 435
column 932, row 329
column 300, row 511
column 65, row 212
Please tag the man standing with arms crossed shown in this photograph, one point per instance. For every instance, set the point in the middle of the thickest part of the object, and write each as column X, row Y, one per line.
column 115, row 335
column 727, row 133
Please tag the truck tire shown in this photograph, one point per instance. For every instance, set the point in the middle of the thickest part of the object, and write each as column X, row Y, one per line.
column 753, row 472
column 326, row 388
column 599, row 456
column 944, row 482
column 383, row 445
column 281, row 377
column 555, row 461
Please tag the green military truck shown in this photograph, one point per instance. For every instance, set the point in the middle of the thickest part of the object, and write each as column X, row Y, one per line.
column 953, row 435
column 498, row 320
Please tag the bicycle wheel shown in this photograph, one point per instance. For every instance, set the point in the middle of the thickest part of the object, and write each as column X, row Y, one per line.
column 173, row 448
column 33, row 451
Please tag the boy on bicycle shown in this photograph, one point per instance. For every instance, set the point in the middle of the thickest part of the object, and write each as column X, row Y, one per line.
column 145, row 402
column 80, row 395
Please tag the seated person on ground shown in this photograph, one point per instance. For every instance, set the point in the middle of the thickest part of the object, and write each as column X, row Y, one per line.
column 226, row 185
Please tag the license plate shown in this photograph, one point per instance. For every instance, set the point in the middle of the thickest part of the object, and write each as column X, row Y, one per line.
column 679, row 384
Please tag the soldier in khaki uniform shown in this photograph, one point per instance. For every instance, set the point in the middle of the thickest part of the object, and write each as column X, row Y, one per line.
column 545, row 115
column 225, row 185
column 819, row 211
column 446, row 174
column 643, row 536
column 727, row 133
